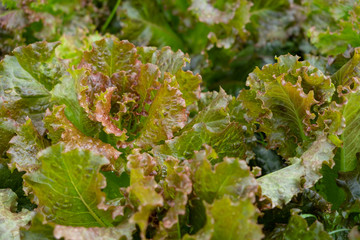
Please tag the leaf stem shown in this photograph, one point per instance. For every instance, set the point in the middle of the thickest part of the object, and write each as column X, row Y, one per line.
column 178, row 227
column 308, row 216
column 339, row 230
column 108, row 20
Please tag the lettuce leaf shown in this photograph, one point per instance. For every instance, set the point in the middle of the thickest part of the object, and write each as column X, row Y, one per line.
column 10, row 220
column 129, row 97
column 24, row 148
column 290, row 90
column 27, row 79
column 280, row 186
column 68, row 192
column 230, row 220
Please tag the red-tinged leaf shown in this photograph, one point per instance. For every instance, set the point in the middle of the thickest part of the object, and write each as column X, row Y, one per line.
column 167, row 114
column 143, row 190
column 61, row 129
column 177, row 186
column 109, row 56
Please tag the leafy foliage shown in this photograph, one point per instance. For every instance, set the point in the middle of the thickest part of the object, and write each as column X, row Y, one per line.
column 103, row 138
column 11, row 221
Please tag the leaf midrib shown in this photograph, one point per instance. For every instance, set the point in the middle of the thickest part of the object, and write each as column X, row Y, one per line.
column 345, row 156
column 92, row 213
column 294, row 110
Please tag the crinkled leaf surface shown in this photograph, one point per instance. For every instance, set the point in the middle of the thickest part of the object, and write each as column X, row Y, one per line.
column 228, row 220
column 167, row 114
column 135, row 95
column 27, row 79
column 109, row 56
column 143, row 188
column 289, row 89
column 231, row 177
column 69, row 191
column 61, row 129
column 226, row 18
column 38, row 230
column 177, row 186
column 345, row 33
column 10, row 221
column 164, row 58
column 344, row 76
column 212, row 126
column 172, row 62
column 7, row 131
column 346, row 79
column 66, row 93
column 24, row 148
column 280, row 186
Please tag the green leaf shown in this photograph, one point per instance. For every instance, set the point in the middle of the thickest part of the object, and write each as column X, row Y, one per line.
column 291, row 115
column 27, row 79
column 289, row 89
column 189, row 85
column 227, row 20
column 327, row 186
column 61, row 129
column 231, row 177
column 7, row 131
column 344, row 31
column 68, row 192
column 24, row 147
column 67, row 93
column 39, row 61
column 344, row 76
column 177, row 186
column 252, row 110
column 10, row 221
column 144, row 23
column 351, row 133
column 172, row 62
column 130, row 95
column 281, row 17
column 114, row 183
column 143, row 188
column 167, row 114
column 164, row 58
column 228, row 220
column 38, row 230
column 212, row 126
column 280, row 186
column 74, row 44
column 350, row 182
column 109, row 56
column 14, row 181
column 298, row 228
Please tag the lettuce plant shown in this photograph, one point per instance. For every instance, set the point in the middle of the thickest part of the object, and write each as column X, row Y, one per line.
column 123, row 145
